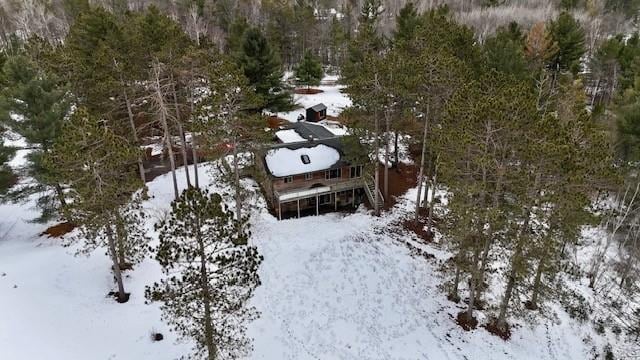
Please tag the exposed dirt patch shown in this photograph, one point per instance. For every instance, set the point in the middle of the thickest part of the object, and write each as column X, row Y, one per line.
column 13, row 180
column 59, row 230
column 467, row 323
column 402, row 177
column 503, row 332
column 308, row 91
column 418, row 228
column 275, row 122
column 157, row 336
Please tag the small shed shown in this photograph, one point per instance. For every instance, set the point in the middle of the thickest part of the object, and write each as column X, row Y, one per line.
column 316, row 113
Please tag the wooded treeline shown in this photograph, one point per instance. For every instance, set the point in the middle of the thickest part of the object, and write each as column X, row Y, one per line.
column 525, row 152
column 322, row 26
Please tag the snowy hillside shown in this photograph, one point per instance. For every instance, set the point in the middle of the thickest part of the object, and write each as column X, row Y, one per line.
column 337, row 286
column 334, row 287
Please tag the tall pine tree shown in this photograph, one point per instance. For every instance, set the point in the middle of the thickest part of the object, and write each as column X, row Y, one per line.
column 98, row 166
column 309, row 70
column 261, row 65
column 209, row 278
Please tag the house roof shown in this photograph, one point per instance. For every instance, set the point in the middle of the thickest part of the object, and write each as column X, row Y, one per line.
column 303, row 131
column 318, row 107
column 283, row 160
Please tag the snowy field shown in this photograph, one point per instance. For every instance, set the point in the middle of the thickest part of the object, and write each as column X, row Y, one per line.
column 334, row 287
column 337, row 286
column 331, row 95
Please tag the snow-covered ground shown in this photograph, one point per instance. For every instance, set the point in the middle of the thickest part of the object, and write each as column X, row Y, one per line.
column 333, row 287
column 337, row 286
column 331, row 95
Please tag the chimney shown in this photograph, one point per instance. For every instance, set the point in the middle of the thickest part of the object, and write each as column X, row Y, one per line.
column 310, row 137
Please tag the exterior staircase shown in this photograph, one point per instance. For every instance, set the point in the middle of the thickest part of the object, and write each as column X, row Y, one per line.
column 369, row 189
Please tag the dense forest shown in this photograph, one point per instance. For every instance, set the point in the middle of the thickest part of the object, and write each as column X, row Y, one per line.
column 527, row 114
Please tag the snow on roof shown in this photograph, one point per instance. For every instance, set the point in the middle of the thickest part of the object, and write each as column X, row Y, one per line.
column 334, row 127
column 304, row 193
column 318, row 107
column 287, row 162
column 289, row 136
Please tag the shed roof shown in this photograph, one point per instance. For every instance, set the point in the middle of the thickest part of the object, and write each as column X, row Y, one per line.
column 318, row 107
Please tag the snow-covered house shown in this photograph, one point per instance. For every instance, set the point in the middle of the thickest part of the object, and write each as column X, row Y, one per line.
column 307, row 172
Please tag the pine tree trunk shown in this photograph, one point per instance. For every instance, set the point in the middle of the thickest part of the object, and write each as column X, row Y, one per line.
column 386, row 155
column 472, row 284
column 194, row 145
column 421, row 172
column 132, row 124
column 172, row 159
column 122, row 297
column 236, row 184
column 121, row 238
column 456, row 284
column 376, row 182
column 194, row 154
column 183, row 139
column 60, row 194
column 433, row 197
column 396, row 152
column 504, row 305
column 537, row 284
column 165, row 127
column 183, row 150
column 212, row 351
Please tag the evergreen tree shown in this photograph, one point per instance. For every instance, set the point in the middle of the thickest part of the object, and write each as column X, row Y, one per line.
column 262, row 68
column 407, row 23
column 6, row 174
column 73, row 9
column 540, row 47
column 367, row 43
column 227, row 119
column 209, row 278
column 97, row 165
column 338, row 40
column 505, row 51
column 567, row 33
column 235, row 38
column 309, row 71
column 33, row 104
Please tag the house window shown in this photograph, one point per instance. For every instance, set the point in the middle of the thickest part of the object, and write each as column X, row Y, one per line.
column 288, row 179
column 356, row 171
column 325, row 199
column 332, row 174
column 308, row 176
